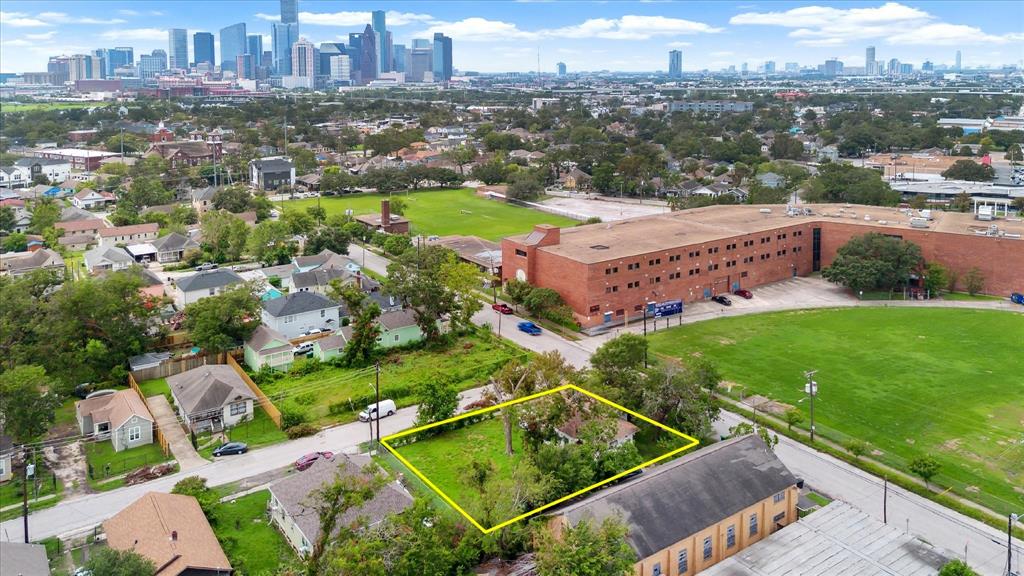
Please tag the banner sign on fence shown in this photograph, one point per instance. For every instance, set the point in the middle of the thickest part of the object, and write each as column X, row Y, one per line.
column 668, row 308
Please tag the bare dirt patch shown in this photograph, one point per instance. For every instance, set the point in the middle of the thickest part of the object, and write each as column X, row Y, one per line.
column 68, row 464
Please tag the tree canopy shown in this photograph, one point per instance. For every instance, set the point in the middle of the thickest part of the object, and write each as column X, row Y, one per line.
column 874, row 262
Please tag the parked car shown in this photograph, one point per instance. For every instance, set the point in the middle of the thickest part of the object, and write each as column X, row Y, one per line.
column 382, row 409
column 722, row 299
column 502, row 308
column 304, row 348
column 744, row 294
column 206, row 266
column 308, row 460
column 1017, row 298
column 530, row 328
column 84, row 389
column 98, row 393
column 231, row 448
column 314, row 331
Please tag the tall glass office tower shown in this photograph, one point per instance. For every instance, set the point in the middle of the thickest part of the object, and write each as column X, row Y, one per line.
column 177, row 48
column 380, row 32
column 232, row 45
column 202, row 47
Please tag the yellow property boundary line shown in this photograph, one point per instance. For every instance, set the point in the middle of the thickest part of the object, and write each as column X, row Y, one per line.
column 691, row 442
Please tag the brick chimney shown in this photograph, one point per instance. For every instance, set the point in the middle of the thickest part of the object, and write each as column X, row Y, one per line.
column 385, row 213
column 552, row 235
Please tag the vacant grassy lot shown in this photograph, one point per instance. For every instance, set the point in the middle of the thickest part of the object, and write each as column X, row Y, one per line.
column 469, row 361
column 944, row 382
column 445, row 212
column 250, row 541
column 258, row 432
column 104, row 462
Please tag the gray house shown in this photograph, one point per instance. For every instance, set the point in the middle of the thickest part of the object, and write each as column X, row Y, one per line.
column 290, row 506
column 6, row 457
column 211, row 397
column 103, row 258
column 298, row 312
column 202, row 284
column 122, row 417
column 172, row 248
column 271, row 173
column 771, row 180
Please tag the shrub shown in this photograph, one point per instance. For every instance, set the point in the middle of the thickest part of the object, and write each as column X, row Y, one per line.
column 291, row 416
column 307, row 399
column 301, row 430
column 856, row 447
column 195, row 486
column 304, row 366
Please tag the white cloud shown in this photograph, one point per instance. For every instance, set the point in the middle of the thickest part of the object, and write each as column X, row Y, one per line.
column 941, row 34
column 21, row 20
column 64, row 18
column 128, row 12
column 135, row 34
column 42, row 35
column 477, row 29
column 349, row 18
column 678, row 44
column 723, row 53
column 633, row 27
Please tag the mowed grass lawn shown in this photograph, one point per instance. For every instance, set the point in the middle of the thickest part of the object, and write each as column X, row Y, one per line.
column 469, row 361
column 445, row 212
column 443, row 458
column 250, row 541
column 944, row 382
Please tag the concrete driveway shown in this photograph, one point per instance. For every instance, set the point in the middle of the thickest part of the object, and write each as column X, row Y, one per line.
column 182, row 449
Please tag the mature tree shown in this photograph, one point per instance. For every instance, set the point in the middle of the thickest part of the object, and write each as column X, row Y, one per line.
column 874, row 261
column 584, row 550
column 493, row 172
column 525, row 186
column 218, row 323
column 957, row 567
column 27, row 402
column 682, row 397
column 856, row 447
column 462, row 280
column 925, row 466
column 415, row 278
column 397, row 205
column 196, row 487
column 317, row 213
column 438, row 399
column 517, row 290
column 936, row 278
column 113, row 562
column 45, row 213
column 15, row 242
column 961, row 202
column 839, row 182
column 271, row 242
column 461, row 156
column 298, row 222
column 146, row 190
column 330, row 503
column 233, row 198
column 974, row 281
column 333, row 238
column 395, row 244
column 617, row 362
column 969, row 170
column 743, row 428
column 365, row 331
column 224, row 235
column 1014, row 153
column 132, row 144
column 541, row 299
column 515, row 380
column 336, row 180
column 786, row 147
column 8, row 219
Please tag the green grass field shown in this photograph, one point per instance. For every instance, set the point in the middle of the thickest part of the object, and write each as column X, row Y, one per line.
column 250, row 541
column 99, row 454
column 469, row 361
column 945, row 382
column 36, row 106
column 445, row 212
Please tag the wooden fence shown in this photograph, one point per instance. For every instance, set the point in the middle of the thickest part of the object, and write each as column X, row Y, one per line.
column 265, row 402
column 175, row 366
column 157, row 432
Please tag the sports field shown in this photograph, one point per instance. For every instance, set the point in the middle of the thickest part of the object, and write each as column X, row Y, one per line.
column 945, row 382
column 37, row 106
column 445, row 212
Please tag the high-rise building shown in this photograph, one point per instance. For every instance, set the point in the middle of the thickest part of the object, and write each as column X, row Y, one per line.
column 927, row 66
column 380, row 36
column 561, row 68
column 304, row 59
column 833, row 68
column 906, row 69
column 959, row 61
column 368, row 56
column 744, row 68
column 104, row 56
column 769, row 68
column 84, row 67
column 675, row 64
column 327, row 51
column 355, row 53
column 283, row 37
column 117, row 57
column 421, row 65
column 894, row 67
column 869, row 61
column 792, row 67
column 254, row 46
column 232, row 45
column 58, row 68
column 420, row 43
column 151, row 65
column 398, row 56
column 340, row 69
column 202, row 47
column 245, row 64
column 442, row 57
column 388, row 53
column 267, row 59
column 177, row 48
column 290, row 11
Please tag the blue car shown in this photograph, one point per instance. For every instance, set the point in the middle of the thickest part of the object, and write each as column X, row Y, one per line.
column 530, row 328
column 1017, row 298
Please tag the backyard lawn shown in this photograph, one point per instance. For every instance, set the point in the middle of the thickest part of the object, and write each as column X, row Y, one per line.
column 945, row 382
column 154, row 387
column 258, row 432
column 99, row 454
column 251, row 542
column 445, row 212
column 470, row 361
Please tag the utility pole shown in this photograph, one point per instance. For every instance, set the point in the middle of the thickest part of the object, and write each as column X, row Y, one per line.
column 377, row 386
column 24, row 492
column 885, row 500
column 645, row 335
column 811, row 389
column 1009, row 542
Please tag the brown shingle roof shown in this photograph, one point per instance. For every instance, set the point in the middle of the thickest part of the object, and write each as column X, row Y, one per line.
column 151, row 228
column 170, row 530
column 115, row 408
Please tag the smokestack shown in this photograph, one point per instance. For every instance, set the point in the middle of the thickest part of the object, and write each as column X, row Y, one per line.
column 385, row 213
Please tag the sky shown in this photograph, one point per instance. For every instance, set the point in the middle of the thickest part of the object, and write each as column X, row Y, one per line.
column 498, row 36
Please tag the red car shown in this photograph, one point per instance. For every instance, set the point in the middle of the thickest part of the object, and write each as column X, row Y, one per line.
column 744, row 294
column 502, row 308
column 308, row 460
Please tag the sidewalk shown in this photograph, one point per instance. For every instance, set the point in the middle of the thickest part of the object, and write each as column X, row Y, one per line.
column 182, row 449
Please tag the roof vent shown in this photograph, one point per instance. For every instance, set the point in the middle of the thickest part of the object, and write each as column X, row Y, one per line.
column 599, row 247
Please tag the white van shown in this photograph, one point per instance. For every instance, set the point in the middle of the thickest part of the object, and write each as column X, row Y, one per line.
column 373, row 411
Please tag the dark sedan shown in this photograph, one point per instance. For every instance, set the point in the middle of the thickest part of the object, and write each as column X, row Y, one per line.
column 722, row 299
column 231, row 448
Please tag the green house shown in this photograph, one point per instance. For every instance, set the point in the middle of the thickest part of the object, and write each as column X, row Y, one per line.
column 268, row 347
column 397, row 328
column 326, row 348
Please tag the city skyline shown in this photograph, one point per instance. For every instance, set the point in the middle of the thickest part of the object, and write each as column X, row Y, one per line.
column 506, row 36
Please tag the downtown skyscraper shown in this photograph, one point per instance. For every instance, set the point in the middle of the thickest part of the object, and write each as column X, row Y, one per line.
column 380, row 32
column 232, row 45
column 442, row 57
column 202, row 48
column 289, row 11
column 177, row 48
column 869, row 61
column 675, row 64
column 284, row 35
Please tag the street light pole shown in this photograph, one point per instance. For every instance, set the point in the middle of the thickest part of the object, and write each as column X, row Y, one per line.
column 1009, row 541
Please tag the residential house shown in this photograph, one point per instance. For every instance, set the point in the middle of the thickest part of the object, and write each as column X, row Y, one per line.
column 283, row 273
column 211, row 397
column 91, row 226
column 74, row 213
column 20, row 559
column 484, row 254
column 89, row 199
column 330, row 347
column 183, row 152
column 771, row 180
column 14, row 177
column 375, row 291
column 830, row 153
column 197, row 286
column 293, row 511
column 55, row 170
column 318, row 280
column 569, row 430
column 131, row 234
column 575, row 179
column 122, row 417
column 20, row 263
column 268, row 347
column 172, row 247
column 172, row 532
column 397, row 328
column 678, row 526
column 202, row 198
column 385, row 221
column 271, row 173
column 6, row 457
column 77, row 242
column 107, row 258
column 298, row 312
column 44, row 191
column 22, row 219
